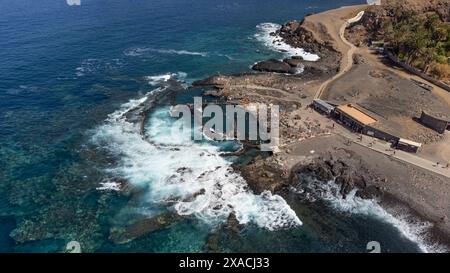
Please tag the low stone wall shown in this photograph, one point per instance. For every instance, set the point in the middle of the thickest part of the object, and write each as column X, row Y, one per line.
column 417, row 72
column 437, row 124
column 353, row 21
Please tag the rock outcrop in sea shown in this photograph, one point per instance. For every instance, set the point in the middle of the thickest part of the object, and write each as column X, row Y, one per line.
column 274, row 65
column 299, row 35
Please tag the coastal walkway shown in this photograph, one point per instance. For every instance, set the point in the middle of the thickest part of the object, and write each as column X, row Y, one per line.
column 386, row 149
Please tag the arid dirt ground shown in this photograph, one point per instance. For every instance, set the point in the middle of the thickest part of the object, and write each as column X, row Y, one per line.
column 395, row 100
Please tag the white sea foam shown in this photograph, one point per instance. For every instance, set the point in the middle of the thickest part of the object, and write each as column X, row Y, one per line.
column 139, row 51
column 158, row 79
column 410, row 227
column 93, row 66
column 276, row 42
column 300, row 69
column 73, row 2
column 109, row 186
column 191, row 178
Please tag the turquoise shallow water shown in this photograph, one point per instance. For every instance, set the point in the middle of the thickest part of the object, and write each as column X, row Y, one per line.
column 64, row 69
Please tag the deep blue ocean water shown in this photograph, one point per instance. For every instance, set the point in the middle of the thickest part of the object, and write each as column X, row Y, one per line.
column 63, row 69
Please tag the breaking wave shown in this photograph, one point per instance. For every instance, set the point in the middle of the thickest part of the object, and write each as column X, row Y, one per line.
column 139, row 51
column 158, row 79
column 408, row 225
column 189, row 178
column 276, row 42
column 109, row 186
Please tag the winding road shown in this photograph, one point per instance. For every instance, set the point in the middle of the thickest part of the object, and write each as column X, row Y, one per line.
column 345, row 66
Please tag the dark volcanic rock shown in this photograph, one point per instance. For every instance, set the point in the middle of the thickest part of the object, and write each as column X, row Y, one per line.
column 273, row 65
column 229, row 232
column 318, row 169
column 291, row 26
column 233, row 224
column 348, row 177
column 217, row 81
column 346, row 182
column 293, row 62
column 318, row 70
column 212, row 244
column 213, row 93
column 297, row 35
column 369, row 192
column 337, row 168
column 142, row 227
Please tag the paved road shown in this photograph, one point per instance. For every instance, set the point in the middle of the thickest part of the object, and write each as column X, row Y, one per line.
column 385, row 148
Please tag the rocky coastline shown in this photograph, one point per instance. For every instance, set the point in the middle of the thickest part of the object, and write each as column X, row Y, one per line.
column 309, row 152
column 352, row 170
column 297, row 35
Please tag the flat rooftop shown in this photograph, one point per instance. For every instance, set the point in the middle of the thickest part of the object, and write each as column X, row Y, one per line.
column 356, row 114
